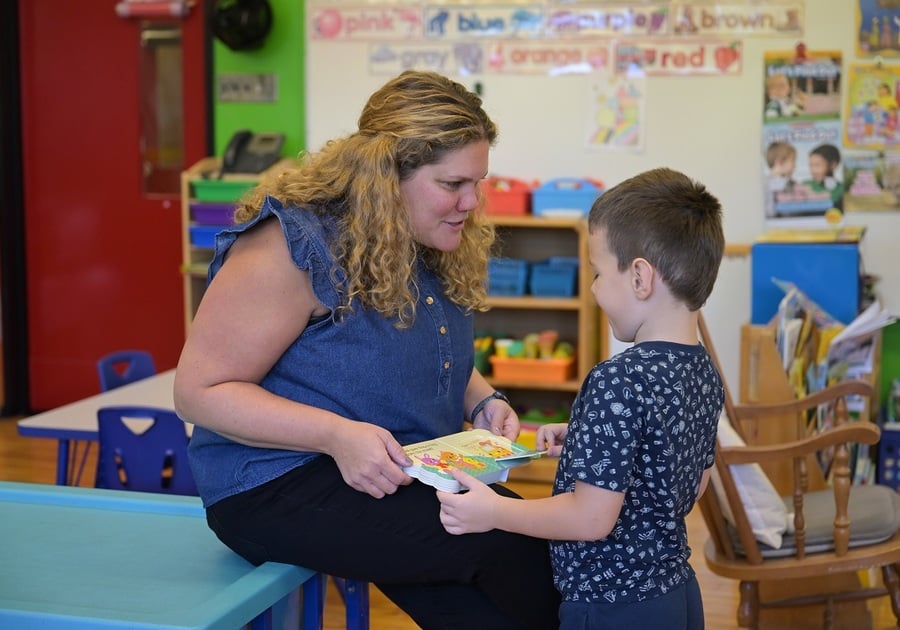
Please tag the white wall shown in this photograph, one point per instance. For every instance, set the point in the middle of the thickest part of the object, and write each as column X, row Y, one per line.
column 708, row 127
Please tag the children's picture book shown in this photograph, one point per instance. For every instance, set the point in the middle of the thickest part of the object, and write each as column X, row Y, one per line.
column 479, row 452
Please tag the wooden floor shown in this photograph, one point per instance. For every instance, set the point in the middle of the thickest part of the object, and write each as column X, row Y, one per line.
column 34, row 460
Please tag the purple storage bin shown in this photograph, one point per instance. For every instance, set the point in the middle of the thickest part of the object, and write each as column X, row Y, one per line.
column 210, row 213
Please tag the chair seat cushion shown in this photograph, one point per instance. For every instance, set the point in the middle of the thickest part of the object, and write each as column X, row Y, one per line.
column 874, row 517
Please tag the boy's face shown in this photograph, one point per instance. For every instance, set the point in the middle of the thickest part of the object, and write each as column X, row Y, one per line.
column 785, row 166
column 611, row 287
column 818, row 167
column 779, row 88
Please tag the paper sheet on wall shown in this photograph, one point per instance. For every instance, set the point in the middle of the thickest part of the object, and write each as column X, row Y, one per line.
column 616, row 111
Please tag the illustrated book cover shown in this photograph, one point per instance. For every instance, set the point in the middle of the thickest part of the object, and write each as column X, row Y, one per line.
column 478, row 452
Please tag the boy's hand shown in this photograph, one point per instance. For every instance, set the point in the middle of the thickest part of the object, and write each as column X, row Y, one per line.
column 553, row 436
column 468, row 512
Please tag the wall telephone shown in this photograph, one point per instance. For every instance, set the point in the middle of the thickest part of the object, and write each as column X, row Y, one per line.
column 249, row 152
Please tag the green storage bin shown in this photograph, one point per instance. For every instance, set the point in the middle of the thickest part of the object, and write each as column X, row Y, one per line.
column 221, row 189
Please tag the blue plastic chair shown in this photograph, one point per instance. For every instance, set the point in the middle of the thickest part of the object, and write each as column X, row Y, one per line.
column 114, row 369
column 355, row 594
column 150, row 460
column 123, row 367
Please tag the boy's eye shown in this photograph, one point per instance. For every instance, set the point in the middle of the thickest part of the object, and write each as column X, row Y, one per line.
column 453, row 185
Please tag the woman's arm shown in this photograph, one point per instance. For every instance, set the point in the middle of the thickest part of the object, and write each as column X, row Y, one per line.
column 256, row 306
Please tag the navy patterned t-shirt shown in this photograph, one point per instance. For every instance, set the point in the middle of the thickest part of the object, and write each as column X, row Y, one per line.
column 644, row 423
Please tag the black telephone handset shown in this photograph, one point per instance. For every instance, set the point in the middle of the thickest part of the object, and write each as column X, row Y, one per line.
column 249, row 152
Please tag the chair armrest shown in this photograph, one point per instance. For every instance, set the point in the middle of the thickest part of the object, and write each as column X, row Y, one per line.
column 763, row 411
column 860, row 432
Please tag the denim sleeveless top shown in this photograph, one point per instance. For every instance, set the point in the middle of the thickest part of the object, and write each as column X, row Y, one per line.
column 410, row 381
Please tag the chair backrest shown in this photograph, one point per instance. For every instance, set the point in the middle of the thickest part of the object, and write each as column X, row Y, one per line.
column 799, row 455
column 123, row 367
column 143, row 449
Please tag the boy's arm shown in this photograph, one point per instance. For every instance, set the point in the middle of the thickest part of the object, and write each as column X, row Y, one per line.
column 588, row 513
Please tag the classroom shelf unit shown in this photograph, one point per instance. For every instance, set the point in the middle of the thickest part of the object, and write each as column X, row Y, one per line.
column 203, row 190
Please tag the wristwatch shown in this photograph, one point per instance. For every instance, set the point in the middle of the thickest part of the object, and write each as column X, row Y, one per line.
column 480, row 406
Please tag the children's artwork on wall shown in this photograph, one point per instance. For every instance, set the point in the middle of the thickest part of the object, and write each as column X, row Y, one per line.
column 872, row 181
column 873, row 92
column 878, row 28
column 617, row 113
column 802, row 85
column 803, row 170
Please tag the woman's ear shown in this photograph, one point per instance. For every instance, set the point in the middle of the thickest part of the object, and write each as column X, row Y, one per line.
column 642, row 275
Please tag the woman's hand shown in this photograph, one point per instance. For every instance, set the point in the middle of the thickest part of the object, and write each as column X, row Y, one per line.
column 498, row 418
column 553, row 436
column 370, row 459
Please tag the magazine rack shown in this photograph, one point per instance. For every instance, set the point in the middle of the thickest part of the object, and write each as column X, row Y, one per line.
column 763, row 380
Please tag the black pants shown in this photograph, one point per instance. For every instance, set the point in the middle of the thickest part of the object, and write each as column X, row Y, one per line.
column 310, row 517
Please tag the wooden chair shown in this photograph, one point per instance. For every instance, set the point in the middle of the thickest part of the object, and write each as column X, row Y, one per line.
column 839, row 529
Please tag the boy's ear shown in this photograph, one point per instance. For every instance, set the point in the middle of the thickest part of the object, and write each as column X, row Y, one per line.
column 642, row 273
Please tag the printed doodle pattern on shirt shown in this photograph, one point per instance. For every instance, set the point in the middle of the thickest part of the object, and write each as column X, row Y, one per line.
column 644, row 423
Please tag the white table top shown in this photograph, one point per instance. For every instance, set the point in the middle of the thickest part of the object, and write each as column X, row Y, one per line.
column 78, row 420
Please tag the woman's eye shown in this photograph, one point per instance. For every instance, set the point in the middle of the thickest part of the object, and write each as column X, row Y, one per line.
column 453, row 185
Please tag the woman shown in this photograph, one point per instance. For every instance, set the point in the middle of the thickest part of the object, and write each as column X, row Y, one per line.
column 336, row 327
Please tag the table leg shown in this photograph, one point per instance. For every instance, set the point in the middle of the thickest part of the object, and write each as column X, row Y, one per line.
column 263, row 621
column 62, row 463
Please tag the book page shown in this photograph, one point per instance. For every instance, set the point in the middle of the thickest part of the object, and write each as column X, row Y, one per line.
column 475, row 452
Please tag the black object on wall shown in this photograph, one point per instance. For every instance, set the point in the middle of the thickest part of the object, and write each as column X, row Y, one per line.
column 12, row 220
column 241, row 24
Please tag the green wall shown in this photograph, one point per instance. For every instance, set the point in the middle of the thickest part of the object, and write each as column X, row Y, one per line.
column 282, row 54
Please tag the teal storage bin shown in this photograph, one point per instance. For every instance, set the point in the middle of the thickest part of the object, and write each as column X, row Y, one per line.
column 554, row 278
column 565, row 197
column 507, row 276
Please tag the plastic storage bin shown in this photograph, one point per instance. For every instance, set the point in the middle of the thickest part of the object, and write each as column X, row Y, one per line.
column 221, row 189
column 205, row 235
column 889, row 456
column 506, row 196
column 565, row 197
column 533, row 370
column 209, row 213
column 507, row 276
column 554, row 278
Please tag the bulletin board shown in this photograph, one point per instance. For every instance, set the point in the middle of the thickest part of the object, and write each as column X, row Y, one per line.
column 694, row 72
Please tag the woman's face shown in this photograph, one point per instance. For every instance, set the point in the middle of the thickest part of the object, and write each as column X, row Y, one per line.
column 440, row 196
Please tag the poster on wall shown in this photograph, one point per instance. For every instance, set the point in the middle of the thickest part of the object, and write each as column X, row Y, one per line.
column 802, row 85
column 803, row 169
column 877, row 28
column 873, row 92
column 801, row 144
column 872, row 181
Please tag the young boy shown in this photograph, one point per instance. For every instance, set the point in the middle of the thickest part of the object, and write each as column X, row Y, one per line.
column 639, row 446
column 781, row 158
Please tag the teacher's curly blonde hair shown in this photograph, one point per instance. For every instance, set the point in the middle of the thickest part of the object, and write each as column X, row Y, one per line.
column 412, row 121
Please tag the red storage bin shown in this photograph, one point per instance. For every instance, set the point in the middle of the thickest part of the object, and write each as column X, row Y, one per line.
column 506, row 196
